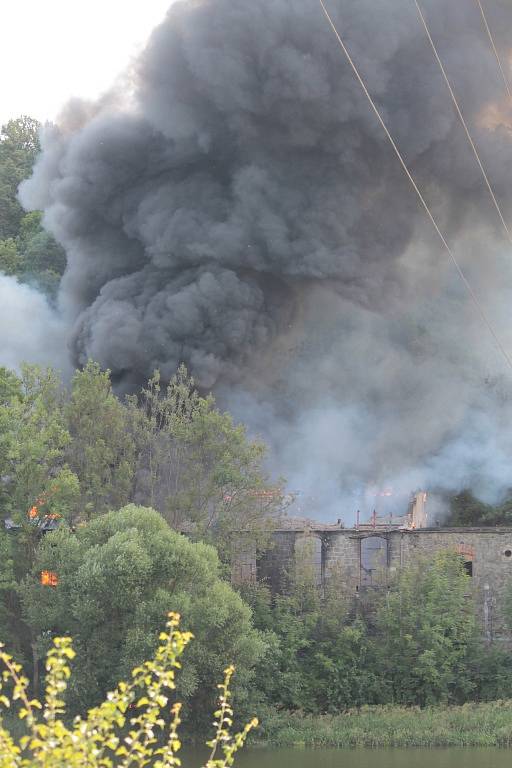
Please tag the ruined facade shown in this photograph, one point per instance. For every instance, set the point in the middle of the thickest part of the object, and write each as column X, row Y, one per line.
column 369, row 555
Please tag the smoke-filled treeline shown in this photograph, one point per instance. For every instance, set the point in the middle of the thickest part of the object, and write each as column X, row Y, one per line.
column 27, row 251
column 31, row 262
column 73, row 453
column 237, row 206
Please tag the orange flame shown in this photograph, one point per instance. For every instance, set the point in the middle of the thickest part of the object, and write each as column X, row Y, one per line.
column 40, row 501
column 49, row 578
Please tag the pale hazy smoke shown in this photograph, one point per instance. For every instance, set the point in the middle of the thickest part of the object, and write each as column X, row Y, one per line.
column 244, row 213
column 30, row 329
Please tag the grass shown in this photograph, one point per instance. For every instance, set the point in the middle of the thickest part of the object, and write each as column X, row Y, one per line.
column 469, row 725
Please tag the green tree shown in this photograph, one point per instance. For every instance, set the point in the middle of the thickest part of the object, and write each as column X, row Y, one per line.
column 22, row 135
column 467, row 510
column 40, row 258
column 118, row 576
column 26, row 249
column 426, row 628
column 126, row 729
column 490, row 668
column 320, row 657
column 100, row 451
column 10, row 396
column 10, row 259
column 197, row 467
column 34, row 481
column 38, row 438
column 40, row 251
column 19, row 145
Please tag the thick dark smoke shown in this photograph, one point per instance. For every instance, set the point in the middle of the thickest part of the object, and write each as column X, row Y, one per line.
column 242, row 211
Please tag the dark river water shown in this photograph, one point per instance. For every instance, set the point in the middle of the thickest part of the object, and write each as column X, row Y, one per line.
column 364, row 758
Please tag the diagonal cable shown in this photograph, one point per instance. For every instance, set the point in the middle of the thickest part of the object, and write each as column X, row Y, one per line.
column 464, row 124
column 467, row 284
column 493, row 46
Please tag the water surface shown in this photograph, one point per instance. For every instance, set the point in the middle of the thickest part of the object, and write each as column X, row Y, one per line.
column 453, row 757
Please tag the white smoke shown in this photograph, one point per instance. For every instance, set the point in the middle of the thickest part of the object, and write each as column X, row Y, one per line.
column 30, row 329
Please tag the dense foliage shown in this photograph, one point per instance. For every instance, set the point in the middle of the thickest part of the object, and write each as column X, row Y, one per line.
column 67, row 457
column 135, row 726
column 27, row 251
column 467, row 510
column 414, row 643
column 117, row 577
column 78, row 452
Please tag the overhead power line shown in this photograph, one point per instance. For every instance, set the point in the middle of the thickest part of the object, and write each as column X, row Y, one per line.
column 464, row 124
column 422, row 200
column 493, row 46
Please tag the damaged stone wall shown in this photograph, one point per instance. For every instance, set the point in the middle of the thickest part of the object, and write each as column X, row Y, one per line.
column 362, row 559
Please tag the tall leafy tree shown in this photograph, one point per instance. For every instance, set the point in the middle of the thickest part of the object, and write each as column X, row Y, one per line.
column 196, row 466
column 26, row 249
column 19, row 145
column 34, row 481
column 466, row 509
column 37, row 473
column 41, row 258
column 101, row 450
column 10, row 258
column 10, row 397
column 426, row 628
column 320, row 655
column 117, row 577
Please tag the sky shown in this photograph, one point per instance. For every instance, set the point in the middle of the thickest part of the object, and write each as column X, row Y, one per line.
column 53, row 50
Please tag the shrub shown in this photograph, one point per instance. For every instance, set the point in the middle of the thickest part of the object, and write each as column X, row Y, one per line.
column 110, row 735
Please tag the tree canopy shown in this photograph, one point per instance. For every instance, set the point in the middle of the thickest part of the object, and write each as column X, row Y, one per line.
column 69, row 455
column 426, row 627
column 27, row 250
column 467, row 510
column 196, row 466
column 117, row 577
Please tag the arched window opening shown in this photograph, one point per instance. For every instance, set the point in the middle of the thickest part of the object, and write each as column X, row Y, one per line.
column 308, row 559
column 374, row 560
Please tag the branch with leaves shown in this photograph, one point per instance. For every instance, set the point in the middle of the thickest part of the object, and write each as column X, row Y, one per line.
column 107, row 737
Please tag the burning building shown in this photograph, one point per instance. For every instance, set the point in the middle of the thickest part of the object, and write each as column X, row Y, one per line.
column 368, row 555
column 414, row 517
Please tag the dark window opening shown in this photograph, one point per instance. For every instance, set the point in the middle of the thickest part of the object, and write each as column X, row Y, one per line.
column 373, row 561
column 508, row 552
column 468, row 567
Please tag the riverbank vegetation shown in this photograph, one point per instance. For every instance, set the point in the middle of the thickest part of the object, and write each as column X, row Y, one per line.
column 468, row 725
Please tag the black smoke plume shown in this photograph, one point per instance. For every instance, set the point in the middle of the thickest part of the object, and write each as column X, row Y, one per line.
column 239, row 208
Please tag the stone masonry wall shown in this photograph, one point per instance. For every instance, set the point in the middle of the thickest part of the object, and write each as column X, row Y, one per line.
column 485, row 549
column 342, row 554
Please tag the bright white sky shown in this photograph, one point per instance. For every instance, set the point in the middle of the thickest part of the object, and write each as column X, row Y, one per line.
column 51, row 50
